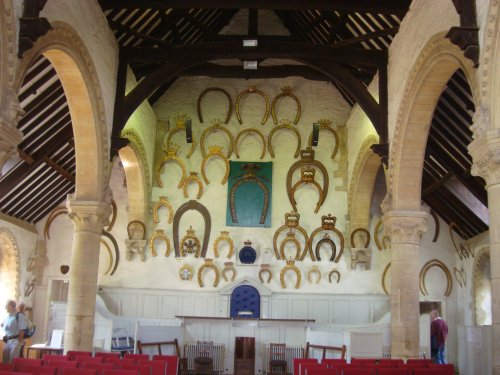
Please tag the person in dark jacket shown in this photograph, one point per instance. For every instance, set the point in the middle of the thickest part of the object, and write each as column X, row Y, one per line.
column 439, row 332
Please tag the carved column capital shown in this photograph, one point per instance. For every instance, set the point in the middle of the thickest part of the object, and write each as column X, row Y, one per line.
column 10, row 137
column 405, row 227
column 88, row 216
column 485, row 152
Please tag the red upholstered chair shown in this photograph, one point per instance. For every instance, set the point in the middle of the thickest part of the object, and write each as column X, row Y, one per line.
column 27, row 361
column 136, row 357
column 298, row 361
column 420, row 361
column 157, row 367
column 392, row 371
column 141, row 369
column 361, row 362
column 447, row 369
column 393, row 362
column 357, row 371
column 55, row 357
column 172, row 363
column 120, row 372
column 118, row 362
column 13, row 373
column 60, row 365
column 38, row 370
column 326, row 371
column 107, row 355
column 7, row 367
column 99, row 367
column 78, row 371
column 73, row 354
column 306, row 368
column 82, row 360
column 427, row 371
column 332, row 362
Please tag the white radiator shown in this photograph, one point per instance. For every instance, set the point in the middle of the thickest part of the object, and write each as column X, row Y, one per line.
column 291, row 353
column 190, row 350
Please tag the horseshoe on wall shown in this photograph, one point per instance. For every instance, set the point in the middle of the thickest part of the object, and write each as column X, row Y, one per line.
column 285, row 91
column 324, row 126
column 384, row 274
column 224, row 236
column 250, row 131
column 462, row 251
column 436, row 224
column 110, row 254
column 368, row 237
column 193, row 177
column 171, row 156
column 252, row 90
column 326, row 240
column 314, row 269
column 307, row 177
column 442, row 266
column 159, row 234
column 163, row 202
column 216, row 127
column 332, row 272
column 284, row 125
column 290, row 266
column 265, row 268
column 215, row 89
column 117, row 249
column 208, row 264
column 228, row 266
column 196, row 206
column 327, row 224
column 213, row 152
column 307, row 160
column 291, row 221
column 173, row 132
column 290, row 237
column 376, row 236
column 61, row 210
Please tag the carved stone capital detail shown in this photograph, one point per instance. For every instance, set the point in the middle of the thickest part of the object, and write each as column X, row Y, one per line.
column 405, row 227
column 485, row 151
column 88, row 216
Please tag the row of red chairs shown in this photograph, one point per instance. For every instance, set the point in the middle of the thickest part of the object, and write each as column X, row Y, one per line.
column 310, row 366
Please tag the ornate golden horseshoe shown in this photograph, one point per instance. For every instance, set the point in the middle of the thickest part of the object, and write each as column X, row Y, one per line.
column 307, row 160
column 290, row 266
column 368, row 237
column 284, row 125
column 249, row 131
column 208, row 264
column 232, row 197
column 224, row 236
column 290, row 237
column 291, row 221
column 114, row 214
column 173, row 132
column 252, row 90
column 308, row 178
column 110, row 254
column 327, row 224
column 436, row 225
column 218, row 89
column 285, row 91
column 141, row 224
column 159, row 234
column 197, row 206
column 215, row 127
column 439, row 264
column 214, row 150
column 190, row 235
column 463, row 252
column 326, row 240
column 117, row 249
column 265, row 268
column 163, row 202
column 228, row 266
column 60, row 210
column 171, row 156
column 193, row 177
column 314, row 269
column 186, row 272
column 325, row 125
column 336, row 273
column 375, row 234
column 384, row 274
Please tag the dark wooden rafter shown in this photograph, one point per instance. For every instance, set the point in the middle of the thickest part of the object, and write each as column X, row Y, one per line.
column 466, row 36
column 31, row 25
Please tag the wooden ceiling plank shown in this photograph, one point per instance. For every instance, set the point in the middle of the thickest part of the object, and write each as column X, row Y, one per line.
column 44, row 135
column 35, row 85
column 461, row 154
column 41, row 64
column 127, row 30
column 368, row 36
column 44, row 115
column 441, row 122
column 50, row 94
column 44, row 211
column 24, row 186
column 55, row 166
column 51, row 200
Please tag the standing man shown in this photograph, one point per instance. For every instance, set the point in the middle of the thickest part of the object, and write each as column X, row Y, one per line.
column 439, row 332
column 14, row 327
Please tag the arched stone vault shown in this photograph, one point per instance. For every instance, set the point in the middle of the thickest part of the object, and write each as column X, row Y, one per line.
column 437, row 62
column 9, row 265
column 136, row 184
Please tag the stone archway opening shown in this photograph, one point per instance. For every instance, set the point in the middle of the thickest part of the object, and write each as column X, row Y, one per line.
column 9, row 267
column 136, row 184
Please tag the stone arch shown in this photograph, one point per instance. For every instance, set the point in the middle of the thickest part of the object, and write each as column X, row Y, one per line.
column 75, row 69
column 9, row 266
column 435, row 65
column 481, row 287
column 362, row 183
column 136, row 183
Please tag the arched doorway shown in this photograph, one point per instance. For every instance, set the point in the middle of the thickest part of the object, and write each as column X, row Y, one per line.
column 9, row 267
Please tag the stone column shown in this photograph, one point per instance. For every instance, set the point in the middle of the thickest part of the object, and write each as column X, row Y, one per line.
column 88, row 218
column 485, row 151
column 405, row 229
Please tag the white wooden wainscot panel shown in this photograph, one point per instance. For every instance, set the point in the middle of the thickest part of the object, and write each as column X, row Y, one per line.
column 279, row 308
column 300, row 309
column 320, row 311
column 360, row 312
column 380, row 308
column 150, row 306
column 340, row 312
column 112, row 302
column 129, row 304
column 187, row 305
column 211, row 307
column 170, row 306
column 294, row 336
column 194, row 332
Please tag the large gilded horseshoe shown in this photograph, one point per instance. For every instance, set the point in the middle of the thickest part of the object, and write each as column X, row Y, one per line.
column 368, row 237
column 165, row 160
column 159, row 234
column 436, row 222
column 252, row 90
column 214, row 151
column 216, row 89
column 442, row 266
column 232, row 198
column 224, row 236
column 110, row 254
column 290, row 267
column 208, row 264
column 285, row 91
column 376, row 236
column 250, row 131
column 335, row 135
column 281, row 127
column 212, row 129
column 228, row 266
column 315, row 184
column 197, row 206
column 55, row 213
column 117, row 250
column 314, row 269
column 290, row 237
column 329, row 241
column 163, row 202
column 193, row 177
column 269, row 275
column 384, row 274
column 327, row 224
column 114, row 214
column 289, row 225
column 173, row 132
